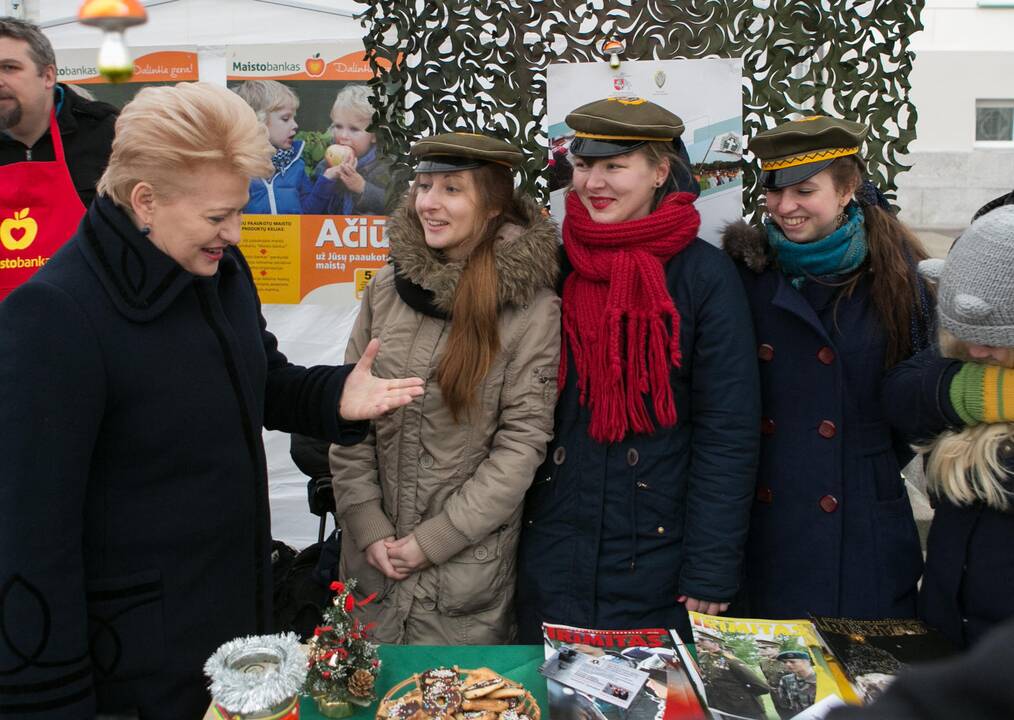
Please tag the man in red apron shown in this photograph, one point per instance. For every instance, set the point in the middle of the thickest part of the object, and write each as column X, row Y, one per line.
column 54, row 146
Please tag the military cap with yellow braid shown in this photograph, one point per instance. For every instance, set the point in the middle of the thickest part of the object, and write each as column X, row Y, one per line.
column 618, row 125
column 799, row 149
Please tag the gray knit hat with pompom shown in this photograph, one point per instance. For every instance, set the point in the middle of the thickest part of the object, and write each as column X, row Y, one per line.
column 975, row 296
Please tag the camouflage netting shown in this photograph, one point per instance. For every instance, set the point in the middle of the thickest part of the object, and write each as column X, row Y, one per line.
column 459, row 64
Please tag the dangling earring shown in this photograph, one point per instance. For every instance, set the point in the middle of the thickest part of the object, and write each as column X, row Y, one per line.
column 841, row 219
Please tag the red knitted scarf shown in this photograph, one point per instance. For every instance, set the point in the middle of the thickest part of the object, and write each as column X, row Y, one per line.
column 615, row 311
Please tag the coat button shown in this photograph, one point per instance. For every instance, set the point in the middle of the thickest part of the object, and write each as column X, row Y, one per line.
column 766, row 353
column 828, row 503
column 480, row 552
column 825, row 355
column 632, row 457
column 426, row 460
column 428, row 604
column 767, row 426
column 827, row 429
column 764, row 495
column 559, row 455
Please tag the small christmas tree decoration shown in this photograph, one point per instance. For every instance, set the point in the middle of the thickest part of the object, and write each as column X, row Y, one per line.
column 342, row 661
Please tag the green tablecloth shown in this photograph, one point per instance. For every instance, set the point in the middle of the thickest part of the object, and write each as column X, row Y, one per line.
column 517, row 662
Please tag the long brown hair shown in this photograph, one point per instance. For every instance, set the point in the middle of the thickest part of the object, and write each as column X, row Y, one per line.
column 474, row 339
column 893, row 254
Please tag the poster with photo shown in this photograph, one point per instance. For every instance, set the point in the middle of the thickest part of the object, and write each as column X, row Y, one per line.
column 152, row 66
column 705, row 94
column 315, row 232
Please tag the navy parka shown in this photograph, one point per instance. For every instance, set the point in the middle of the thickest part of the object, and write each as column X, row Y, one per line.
column 832, row 531
column 135, row 534
column 968, row 584
column 612, row 534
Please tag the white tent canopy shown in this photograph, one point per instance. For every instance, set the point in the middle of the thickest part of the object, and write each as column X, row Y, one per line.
column 210, row 22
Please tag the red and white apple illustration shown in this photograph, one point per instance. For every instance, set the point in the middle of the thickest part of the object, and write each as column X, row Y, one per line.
column 315, row 66
column 18, row 232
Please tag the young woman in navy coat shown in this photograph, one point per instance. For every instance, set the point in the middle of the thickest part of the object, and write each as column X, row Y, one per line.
column 836, row 301
column 137, row 374
column 640, row 511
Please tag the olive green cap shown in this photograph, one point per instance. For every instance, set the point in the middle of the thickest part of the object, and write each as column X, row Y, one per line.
column 794, row 655
column 799, row 149
column 617, row 125
column 450, row 152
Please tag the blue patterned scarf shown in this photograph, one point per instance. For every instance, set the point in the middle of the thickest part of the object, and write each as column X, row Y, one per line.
column 841, row 252
column 282, row 158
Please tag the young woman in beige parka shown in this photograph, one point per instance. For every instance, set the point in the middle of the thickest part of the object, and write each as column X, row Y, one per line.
column 430, row 503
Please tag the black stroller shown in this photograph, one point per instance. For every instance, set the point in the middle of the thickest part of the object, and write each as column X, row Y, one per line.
column 302, row 580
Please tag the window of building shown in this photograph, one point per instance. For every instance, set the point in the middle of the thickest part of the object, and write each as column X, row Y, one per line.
column 994, row 121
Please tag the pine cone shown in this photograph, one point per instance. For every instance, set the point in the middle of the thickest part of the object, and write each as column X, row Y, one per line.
column 361, row 683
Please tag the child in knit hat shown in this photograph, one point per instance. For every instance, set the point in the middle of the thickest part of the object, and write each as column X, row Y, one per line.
column 968, row 585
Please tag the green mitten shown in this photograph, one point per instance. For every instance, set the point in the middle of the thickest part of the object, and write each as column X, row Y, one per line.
column 983, row 393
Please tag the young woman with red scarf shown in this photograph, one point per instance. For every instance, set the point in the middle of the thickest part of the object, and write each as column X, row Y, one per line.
column 640, row 511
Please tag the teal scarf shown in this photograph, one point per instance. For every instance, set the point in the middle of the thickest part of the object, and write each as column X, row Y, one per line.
column 841, row 252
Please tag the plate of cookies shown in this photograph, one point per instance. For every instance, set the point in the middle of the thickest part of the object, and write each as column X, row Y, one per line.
column 453, row 693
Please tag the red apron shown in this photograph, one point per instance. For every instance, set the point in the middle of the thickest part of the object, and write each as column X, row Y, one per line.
column 39, row 211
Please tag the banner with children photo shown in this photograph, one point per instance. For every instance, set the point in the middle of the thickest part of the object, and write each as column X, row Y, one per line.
column 314, row 231
column 706, row 94
column 78, row 68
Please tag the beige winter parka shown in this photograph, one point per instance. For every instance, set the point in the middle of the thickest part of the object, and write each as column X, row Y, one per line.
column 458, row 487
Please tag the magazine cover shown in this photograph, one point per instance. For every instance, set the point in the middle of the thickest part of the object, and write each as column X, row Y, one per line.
column 873, row 651
column 616, row 674
column 761, row 669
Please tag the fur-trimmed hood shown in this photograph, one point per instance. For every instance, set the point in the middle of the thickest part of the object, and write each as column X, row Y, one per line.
column 527, row 257
column 748, row 245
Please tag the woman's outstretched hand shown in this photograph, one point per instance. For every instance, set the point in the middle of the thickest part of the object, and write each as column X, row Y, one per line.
column 367, row 397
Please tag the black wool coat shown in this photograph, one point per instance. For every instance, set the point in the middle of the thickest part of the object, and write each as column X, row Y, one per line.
column 86, row 128
column 832, row 531
column 612, row 534
column 968, row 583
column 135, row 536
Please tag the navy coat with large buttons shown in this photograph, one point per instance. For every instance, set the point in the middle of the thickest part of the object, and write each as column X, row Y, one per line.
column 832, row 531
column 135, row 534
column 612, row 534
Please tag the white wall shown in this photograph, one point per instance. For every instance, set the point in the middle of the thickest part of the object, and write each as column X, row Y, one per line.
column 945, row 86
column 964, row 54
column 962, row 25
